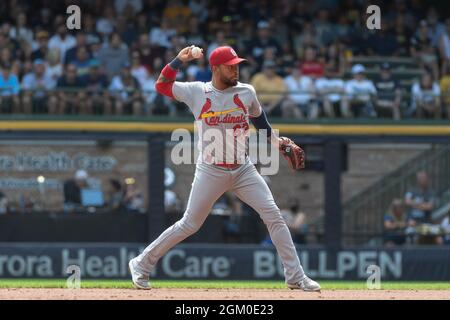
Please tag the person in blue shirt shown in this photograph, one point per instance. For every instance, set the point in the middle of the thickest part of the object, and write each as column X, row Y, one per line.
column 9, row 90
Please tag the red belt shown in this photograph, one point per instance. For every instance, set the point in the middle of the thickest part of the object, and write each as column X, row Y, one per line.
column 226, row 165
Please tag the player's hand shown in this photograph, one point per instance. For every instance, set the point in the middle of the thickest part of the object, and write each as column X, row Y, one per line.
column 185, row 54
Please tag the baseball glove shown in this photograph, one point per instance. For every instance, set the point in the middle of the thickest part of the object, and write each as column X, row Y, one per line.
column 294, row 155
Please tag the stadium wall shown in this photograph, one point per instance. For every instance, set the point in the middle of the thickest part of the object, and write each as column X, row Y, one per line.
column 221, row 262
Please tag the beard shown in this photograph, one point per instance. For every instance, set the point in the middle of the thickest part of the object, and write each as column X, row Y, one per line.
column 229, row 82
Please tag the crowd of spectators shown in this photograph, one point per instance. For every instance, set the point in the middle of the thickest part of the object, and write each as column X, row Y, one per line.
column 409, row 220
column 300, row 55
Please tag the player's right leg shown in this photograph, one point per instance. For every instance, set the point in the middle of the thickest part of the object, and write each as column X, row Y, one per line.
column 208, row 185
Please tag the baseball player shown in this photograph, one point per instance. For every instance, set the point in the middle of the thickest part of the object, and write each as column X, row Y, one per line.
column 224, row 104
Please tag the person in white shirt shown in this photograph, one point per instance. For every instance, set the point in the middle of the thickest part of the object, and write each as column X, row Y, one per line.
column 62, row 41
column 301, row 100
column 426, row 97
column 331, row 92
column 360, row 93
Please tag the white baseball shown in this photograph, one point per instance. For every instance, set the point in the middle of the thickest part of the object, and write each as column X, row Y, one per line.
column 196, row 52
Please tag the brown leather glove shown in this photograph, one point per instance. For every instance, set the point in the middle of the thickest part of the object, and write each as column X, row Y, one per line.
column 294, row 155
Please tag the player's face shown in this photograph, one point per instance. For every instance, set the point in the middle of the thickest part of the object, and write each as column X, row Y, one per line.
column 229, row 75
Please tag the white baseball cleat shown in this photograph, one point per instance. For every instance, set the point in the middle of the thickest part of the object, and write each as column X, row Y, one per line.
column 306, row 284
column 140, row 280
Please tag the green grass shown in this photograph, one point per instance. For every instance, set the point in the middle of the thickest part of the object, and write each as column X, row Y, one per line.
column 206, row 284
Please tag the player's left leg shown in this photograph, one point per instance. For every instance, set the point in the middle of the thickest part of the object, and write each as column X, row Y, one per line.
column 251, row 188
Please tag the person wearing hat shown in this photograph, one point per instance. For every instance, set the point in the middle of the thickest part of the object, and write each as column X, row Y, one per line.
column 360, row 93
column 125, row 90
column 389, row 94
column 36, row 86
column 222, row 109
column 72, row 190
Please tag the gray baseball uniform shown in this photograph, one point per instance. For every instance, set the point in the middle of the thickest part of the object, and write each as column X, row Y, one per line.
column 223, row 110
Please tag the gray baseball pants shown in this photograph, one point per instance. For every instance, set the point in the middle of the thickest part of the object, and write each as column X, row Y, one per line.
column 210, row 182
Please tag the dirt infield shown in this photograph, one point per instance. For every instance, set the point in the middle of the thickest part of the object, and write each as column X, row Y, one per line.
column 218, row 294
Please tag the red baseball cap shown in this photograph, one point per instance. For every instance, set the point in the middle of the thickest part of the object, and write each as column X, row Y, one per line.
column 224, row 55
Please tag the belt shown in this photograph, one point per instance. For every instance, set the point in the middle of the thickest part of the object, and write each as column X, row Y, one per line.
column 231, row 166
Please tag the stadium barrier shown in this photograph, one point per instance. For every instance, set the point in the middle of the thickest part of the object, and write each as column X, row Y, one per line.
column 221, row 262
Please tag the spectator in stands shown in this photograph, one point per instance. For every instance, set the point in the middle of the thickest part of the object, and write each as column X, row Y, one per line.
column 395, row 224
column 301, row 100
column 106, row 23
column 71, row 95
column 445, row 227
column 199, row 71
column 53, row 66
column 331, row 91
column 426, row 97
column 445, row 89
column 20, row 31
column 230, row 207
column 296, row 221
column 402, row 36
column 121, row 6
column 133, row 199
column 4, row 206
column 160, row 35
column 389, row 95
column 172, row 205
column 311, row 66
column 149, row 95
column 444, row 47
column 42, row 42
column 98, row 100
column 82, row 61
column 138, row 70
column 264, row 40
column 37, row 85
column 383, row 42
column 147, row 53
column 115, row 195
column 420, row 200
column 360, row 93
column 62, row 41
column 125, row 90
column 72, row 190
column 177, row 15
column 270, row 88
column 113, row 56
column 81, row 41
column 334, row 60
column 423, row 50
column 9, row 90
